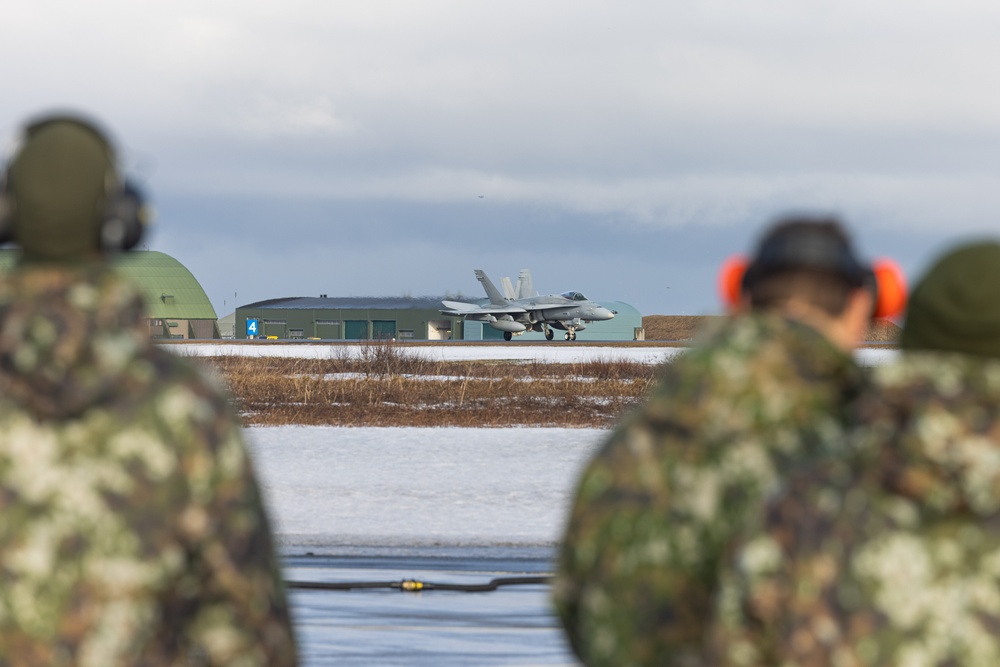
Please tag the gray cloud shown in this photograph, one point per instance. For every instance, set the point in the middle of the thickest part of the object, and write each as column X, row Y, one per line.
column 621, row 143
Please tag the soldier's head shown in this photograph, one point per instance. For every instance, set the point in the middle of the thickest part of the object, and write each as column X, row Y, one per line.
column 805, row 259
column 806, row 267
column 955, row 307
column 62, row 198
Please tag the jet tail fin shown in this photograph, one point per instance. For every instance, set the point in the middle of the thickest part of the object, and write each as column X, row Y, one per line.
column 508, row 288
column 496, row 298
column 525, row 290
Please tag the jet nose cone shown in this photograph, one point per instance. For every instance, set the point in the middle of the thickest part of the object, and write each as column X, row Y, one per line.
column 603, row 313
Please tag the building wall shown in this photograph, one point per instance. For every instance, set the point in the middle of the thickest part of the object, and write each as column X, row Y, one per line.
column 177, row 329
column 407, row 324
column 337, row 324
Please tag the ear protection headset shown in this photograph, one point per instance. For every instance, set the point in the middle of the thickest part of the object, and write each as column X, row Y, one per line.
column 883, row 278
column 890, row 286
column 125, row 215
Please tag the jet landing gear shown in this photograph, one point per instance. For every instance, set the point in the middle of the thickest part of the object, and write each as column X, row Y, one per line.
column 548, row 333
column 571, row 335
column 509, row 335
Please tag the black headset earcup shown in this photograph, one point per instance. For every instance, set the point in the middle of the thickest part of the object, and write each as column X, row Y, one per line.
column 125, row 219
column 6, row 211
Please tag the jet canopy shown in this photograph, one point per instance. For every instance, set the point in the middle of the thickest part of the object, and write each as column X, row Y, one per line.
column 574, row 296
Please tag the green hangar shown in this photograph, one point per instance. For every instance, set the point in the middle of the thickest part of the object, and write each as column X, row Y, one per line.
column 394, row 318
column 176, row 305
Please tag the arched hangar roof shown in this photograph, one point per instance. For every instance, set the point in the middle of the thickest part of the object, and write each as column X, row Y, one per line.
column 170, row 290
column 350, row 303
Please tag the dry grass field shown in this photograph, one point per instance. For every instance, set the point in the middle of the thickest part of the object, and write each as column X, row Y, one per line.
column 387, row 387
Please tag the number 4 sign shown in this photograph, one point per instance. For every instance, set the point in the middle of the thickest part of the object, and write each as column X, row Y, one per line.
column 252, row 327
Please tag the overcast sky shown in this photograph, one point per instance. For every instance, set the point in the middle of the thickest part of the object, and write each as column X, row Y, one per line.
column 623, row 149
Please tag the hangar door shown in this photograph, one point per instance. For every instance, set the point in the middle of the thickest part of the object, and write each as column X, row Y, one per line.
column 274, row 328
column 328, row 329
column 439, row 330
column 383, row 329
column 356, row 329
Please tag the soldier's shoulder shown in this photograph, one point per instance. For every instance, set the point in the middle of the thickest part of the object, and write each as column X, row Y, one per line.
column 942, row 372
column 930, row 385
column 178, row 381
column 730, row 346
column 764, row 338
column 176, row 368
column 753, row 352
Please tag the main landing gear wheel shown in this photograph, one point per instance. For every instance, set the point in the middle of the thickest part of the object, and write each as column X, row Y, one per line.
column 507, row 335
column 548, row 334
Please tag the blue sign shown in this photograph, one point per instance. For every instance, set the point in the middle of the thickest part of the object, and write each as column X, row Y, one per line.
column 253, row 326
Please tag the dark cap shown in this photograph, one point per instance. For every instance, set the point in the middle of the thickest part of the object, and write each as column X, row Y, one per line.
column 807, row 243
column 955, row 307
column 58, row 189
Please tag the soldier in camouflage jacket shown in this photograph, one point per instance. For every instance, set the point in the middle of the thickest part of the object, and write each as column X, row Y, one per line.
column 133, row 530
column 659, row 506
column 891, row 556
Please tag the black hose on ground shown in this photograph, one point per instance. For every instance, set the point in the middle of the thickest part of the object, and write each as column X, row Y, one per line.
column 412, row 585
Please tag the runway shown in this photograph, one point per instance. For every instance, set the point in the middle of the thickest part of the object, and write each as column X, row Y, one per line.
column 510, row 626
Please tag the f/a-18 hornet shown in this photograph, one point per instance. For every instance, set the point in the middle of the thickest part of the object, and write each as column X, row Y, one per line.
column 518, row 311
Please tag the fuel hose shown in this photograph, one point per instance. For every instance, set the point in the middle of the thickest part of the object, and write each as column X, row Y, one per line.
column 414, row 585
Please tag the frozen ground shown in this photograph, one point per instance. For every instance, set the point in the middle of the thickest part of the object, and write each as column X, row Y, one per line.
column 334, row 487
column 451, row 352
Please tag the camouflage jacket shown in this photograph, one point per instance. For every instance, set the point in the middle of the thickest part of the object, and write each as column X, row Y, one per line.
column 890, row 556
column 132, row 527
column 660, row 503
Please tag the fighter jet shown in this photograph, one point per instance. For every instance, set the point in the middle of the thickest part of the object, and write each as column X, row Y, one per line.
column 520, row 310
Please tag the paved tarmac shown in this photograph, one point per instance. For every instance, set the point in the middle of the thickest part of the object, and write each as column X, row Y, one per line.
column 510, row 626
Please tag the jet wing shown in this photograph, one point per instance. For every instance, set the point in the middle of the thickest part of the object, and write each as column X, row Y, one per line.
column 553, row 306
column 459, row 308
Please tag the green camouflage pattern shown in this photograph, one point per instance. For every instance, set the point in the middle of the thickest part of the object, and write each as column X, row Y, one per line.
column 888, row 556
column 659, row 505
column 133, row 530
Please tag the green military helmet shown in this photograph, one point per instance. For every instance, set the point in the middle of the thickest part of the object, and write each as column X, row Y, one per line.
column 62, row 197
column 956, row 306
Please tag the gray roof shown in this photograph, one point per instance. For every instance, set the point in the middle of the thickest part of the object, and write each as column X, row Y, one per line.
column 391, row 303
column 350, row 303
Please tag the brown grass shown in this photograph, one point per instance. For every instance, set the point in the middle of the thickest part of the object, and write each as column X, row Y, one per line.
column 388, row 387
